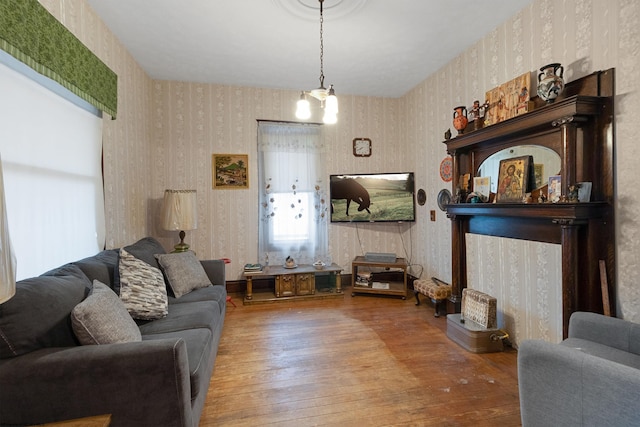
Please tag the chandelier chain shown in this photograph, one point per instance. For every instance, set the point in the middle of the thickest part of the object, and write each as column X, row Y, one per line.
column 321, row 46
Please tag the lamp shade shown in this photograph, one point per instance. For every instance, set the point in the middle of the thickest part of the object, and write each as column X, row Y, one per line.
column 7, row 258
column 179, row 210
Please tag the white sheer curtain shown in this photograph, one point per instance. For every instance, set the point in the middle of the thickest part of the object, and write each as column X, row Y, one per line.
column 294, row 200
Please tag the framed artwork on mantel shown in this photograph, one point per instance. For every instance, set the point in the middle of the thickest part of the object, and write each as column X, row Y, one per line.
column 230, row 171
column 514, row 178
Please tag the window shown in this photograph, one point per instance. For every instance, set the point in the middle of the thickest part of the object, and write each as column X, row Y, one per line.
column 51, row 154
column 293, row 203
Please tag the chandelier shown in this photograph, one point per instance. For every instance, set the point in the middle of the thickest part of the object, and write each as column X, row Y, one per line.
column 327, row 97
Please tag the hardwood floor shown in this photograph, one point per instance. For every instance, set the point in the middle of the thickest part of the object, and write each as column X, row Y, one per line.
column 364, row 360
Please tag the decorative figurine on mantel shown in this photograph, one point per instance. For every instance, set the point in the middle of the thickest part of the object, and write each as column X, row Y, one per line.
column 477, row 114
column 550, row 82
column 460, row 119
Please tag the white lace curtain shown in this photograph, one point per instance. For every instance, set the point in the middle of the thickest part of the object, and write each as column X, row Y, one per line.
column 293, row 193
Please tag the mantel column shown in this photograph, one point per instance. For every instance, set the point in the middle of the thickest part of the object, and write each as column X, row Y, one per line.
column 569, row 229
column 458, row 263
column 569, row 134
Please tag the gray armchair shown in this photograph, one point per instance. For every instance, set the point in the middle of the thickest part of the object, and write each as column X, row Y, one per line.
column 590, row 379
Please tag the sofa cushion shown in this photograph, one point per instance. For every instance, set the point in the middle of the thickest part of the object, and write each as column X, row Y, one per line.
column 211, row 293
column 142, row 288
column 102, row 318
column 102, row 266
column 38, row 314
column 183, row 271
column 201, row 314
column 144, row 249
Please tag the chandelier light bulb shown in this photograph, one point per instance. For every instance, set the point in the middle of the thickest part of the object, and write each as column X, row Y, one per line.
column 303, row 109
column 331, row 103
column 329, row 117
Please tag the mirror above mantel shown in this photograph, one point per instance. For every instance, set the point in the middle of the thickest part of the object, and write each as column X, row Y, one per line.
column 546, row 163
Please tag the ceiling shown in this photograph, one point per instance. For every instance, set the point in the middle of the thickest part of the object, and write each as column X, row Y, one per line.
column 371, row 47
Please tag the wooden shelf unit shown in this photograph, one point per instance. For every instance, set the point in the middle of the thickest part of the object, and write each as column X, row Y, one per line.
column 397, row 288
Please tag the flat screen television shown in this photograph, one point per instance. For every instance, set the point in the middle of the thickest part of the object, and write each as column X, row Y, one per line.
column 372, row 197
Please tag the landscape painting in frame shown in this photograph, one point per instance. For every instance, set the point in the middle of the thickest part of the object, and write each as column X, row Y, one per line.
column 230, row 171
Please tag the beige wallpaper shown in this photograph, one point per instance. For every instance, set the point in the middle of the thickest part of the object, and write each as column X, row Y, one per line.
column 167, row 131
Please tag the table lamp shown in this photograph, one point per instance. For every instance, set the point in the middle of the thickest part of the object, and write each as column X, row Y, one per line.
column 179, row 213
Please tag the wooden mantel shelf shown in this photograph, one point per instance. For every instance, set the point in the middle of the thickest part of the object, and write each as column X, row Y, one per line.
column 539, row 119
column 551, row 211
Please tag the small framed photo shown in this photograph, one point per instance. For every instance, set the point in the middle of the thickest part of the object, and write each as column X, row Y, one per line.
column 230, row 171
column 514, row 178
column 482, row 187
column 555, row 188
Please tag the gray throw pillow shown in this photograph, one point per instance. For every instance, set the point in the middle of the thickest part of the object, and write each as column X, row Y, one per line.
column 142, row 288
column 102, row 318
column 184, row 272
column 38, row 315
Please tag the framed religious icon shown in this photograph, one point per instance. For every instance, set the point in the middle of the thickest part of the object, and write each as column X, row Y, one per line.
column 230, row 171
column 515, row 179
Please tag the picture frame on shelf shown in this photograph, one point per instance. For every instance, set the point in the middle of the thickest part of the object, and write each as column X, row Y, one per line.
column 555, row 188
column 230, row 171
column 515, row 179
column 482, row 187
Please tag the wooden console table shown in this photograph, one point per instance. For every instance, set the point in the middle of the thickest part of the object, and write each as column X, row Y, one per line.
column 293, row 282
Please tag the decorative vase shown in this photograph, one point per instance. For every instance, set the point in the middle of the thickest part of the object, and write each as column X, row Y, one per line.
column 550, row 82
column 460, row 120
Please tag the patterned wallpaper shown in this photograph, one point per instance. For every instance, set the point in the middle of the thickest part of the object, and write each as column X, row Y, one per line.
column 166, row 132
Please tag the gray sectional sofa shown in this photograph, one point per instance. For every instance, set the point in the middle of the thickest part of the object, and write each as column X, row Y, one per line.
column 591, row 379
column 142, row 372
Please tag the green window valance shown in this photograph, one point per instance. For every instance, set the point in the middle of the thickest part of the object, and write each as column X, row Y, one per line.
column 32, row 35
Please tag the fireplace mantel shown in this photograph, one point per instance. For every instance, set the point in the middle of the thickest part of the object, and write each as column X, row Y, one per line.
column 579, row 127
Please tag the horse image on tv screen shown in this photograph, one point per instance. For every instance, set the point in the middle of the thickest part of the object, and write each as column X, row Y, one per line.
column 372, row 197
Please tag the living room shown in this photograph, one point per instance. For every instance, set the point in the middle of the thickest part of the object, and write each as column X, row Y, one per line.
column 176, row 123
column 166, row 132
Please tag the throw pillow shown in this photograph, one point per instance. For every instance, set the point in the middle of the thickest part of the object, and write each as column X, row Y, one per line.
column 184, row 272
column 142, row 288
column 38, row 314
column 143, row 249
column 103, row 319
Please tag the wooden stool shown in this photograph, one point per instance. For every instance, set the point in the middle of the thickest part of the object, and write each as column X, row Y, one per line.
column 432, row 288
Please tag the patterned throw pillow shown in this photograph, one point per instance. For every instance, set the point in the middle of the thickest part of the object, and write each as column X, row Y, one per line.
column 184, row 272
column 142, row 288
column 103, row 319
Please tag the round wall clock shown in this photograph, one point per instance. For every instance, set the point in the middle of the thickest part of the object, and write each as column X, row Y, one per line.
column 446, row 169
column 361, row 147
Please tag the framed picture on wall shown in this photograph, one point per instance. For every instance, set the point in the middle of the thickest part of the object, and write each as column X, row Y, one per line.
column 230, row 171
column 515, row 178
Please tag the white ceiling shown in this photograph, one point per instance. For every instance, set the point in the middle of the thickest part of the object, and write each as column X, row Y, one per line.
column 371, row 47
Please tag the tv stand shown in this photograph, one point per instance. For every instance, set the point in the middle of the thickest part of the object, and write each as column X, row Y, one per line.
column 398, row 288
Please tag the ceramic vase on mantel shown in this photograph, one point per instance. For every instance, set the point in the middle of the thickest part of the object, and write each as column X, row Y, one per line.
column 460, row 120
column 550, row 82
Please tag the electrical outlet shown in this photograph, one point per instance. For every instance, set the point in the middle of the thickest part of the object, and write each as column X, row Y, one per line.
column 433, row 215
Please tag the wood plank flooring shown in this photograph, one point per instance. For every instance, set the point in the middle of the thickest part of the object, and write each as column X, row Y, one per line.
column 364, row 360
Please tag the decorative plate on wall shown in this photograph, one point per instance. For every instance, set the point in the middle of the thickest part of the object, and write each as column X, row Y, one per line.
column 446, row 169
column 422, row 197
column 444, row 198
